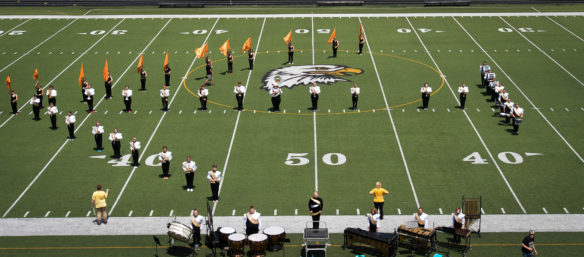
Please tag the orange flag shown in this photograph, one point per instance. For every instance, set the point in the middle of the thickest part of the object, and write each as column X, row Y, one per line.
column 8, row 82
column 36, row 74
column 333, row 35
column 105, row 71
column 141, row 62
column 81, row 75
column 201, row 51
column 225, row 47
column 165, row 61
column 288, row 37
column 246, row 45
column 360, row 31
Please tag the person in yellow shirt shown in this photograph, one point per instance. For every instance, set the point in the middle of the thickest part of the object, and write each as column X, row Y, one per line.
column 378, row 201
column 98, row 201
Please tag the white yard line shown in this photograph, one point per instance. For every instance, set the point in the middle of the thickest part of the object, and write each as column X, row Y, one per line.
column 314, row 119
column 159, row 121
column 543, row 52
column 15, row 27
column 391, row 118
column 468, row 118
column 521, row 91
column 573, row 34
column 237, row 119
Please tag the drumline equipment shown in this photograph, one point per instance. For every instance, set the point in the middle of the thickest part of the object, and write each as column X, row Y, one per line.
column 257, row 244
column 180, row 231
column 225, row 232
column 417, row 238
column 275, row 236
column 236, row 244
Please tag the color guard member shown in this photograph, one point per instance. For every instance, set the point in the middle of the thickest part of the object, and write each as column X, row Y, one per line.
column 84, row 84
column 229, row 62
column 164, row 93
column 189, row 168
column 335, row 45
column 116, row 138
column 463, row 90
column 135, row 150
column 250, row 58
column 167, row 72
column 98, row 202
column 39, row 94
column 214, row 177
column 36, row 109
column 528, row 245
column 127, row 94
column 361, row 43
column 373, row 221
column 315, row 205
column 426, row 93
column 53, row 111
column 14, row 102
column 52, row 95
column 203, row 93
column 275, row 93
column 290, row 53
column 314, row 92
column 209, row 72
column 517, row 115
column 143, row 76
column 457, row 223
column 196, row 222
column 483, row 69
column 89, row 93
column 252, row 221
column 165, row 157
column 421, row 218
column 239, row 91
column 108, row 86
column 70, row 121
column 97, row 132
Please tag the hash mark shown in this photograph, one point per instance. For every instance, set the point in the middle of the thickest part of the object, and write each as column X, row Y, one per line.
column 478, row 110
column 358, row 212
column 130, row 214
column 482, row 211
column 67, row 215
column 49, row 212
column 136, row 111
column 171, row 212
column 26, row 214
column 224, row 111
column 88, row 212
column 150, row 112
column 440, row 210
column 337, row 211
column 566, row 210
column 551, row 109
column 151, row 212
column 448, row 109
column 233, row 212
column 566, row 108
column 105, row 112
column 433, row 110
column 275, row 212
column 544, row 210
column 503, row 210
column 295, row 211
column 398, row 211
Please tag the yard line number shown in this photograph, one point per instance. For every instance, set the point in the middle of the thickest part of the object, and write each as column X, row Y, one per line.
column 14, row 32
column 505, row 157
column 299, row 159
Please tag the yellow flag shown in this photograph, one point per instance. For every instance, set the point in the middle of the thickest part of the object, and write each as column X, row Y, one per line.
column 105, row 71
column 81, row 75
column 225, row 47
column 288, row 37
column 246, row 45
column 333, row 35
column 201, row 51
column 165, row 61
column 141, row 62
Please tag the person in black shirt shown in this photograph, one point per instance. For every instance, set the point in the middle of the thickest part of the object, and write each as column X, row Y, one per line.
column 290, row 53
column 528, row 245
column 250, row 57
column 143, row 76
column 315, row 205
column 335, row 47
column 14, row 102
column 229, row 62
column 84, row 84
column 167, row 72
column 209, row 69
column 108, row 86
column 361, row 43
column 39, row 94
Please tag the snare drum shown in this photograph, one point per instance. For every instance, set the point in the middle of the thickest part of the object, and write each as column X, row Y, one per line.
column 236, row 244
column 225, row 232
column 518, row 121
column 275, row 234
column 257, row 244
column 180, row 231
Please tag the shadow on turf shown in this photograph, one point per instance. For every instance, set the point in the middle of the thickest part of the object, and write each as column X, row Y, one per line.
column 179, row 251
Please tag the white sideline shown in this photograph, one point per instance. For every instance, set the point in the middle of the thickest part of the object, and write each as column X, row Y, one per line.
column 469, row 120
column 66, row 141
column 237, row 120
column 391, row 118
column 15, row 27
column 159, row 122
column 521, row 91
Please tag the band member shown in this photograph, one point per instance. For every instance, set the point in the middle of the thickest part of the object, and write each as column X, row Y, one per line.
column 229, row 62
column 426, row 91
column 497, row 90
column 373, row 220
column 457, row 223
column 36, row 109
column 196, row 222
column 517, row 115
column 14, row 102
column 314, row 91
column 209, row 72
column 275, row 93
column 203, row 93
column 70, row 121
column 97, row 132
column 378, row 192
column 252, row 221
column 127, row 94
column 239, row 91
column 361, row 43
column 165, row 157
column 116, row 138
column 508, row 110
column 250, row 58
column 355, row 91
column 39, row 94
column 483, row 69
column 84, row 84
column 335, row 45
column 135, row 149
column 421, row 218
column 53, row 114
column 463, row 90
column 491, row 85
column 489, row 77
column 52, row 95
column 89, row 93
column 214, row 177
column 503, row 96
column 315, row 205
column 290, row 53
column 164, row 93
column 528, row 245
column 189, row 168
column 98, row 202
column 143, row 76
column 108, row 87
column 167, row 72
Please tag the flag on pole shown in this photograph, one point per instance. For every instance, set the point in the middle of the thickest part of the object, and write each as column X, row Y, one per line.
column 201, row 51
column 36, row 74
column 225, row 47
column 165, row 61
column 141, row 62
column 246, row 45
column 81, row 75
column 333, row 35
column 360, row 31
column 8, row 82
column 288, row 37
column 105, row 71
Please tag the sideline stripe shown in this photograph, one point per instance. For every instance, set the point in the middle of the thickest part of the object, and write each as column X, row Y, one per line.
column 15, row 27
column 237, row 121
column 66, row 141
column 391, row 118
column 469, row 120
column 557, row 23
column 314, row 120
column 521, row 91
column 542, row 51
column 160, row 121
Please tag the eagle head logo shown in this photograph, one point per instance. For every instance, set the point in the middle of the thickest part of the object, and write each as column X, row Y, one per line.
column 291, row 76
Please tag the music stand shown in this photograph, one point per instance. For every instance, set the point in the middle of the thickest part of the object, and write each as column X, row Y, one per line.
column 156, row 244
column 212, row 240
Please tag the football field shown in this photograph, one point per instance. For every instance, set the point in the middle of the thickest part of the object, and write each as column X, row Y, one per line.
column 275, row 160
